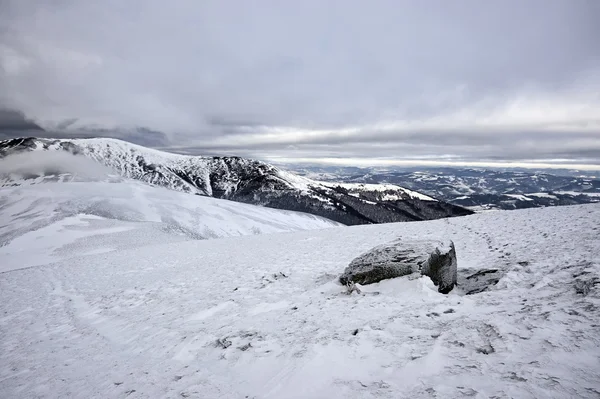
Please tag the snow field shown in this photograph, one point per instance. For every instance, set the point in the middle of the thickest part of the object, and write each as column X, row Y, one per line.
column 263, row 317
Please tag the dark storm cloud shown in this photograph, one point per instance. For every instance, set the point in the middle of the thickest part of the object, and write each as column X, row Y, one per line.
column 16, row 121
column 467, row 79
column 15, row 124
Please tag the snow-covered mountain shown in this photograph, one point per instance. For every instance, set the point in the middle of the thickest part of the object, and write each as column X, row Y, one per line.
column 265, row 317
column 243, row 180
column 476, row 188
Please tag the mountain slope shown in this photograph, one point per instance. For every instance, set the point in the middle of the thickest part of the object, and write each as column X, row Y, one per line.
column 248, row 181
column 263, row 317
column 48, row 222
column 477, row 188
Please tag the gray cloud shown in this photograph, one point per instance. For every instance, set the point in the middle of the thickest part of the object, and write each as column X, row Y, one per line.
column 468, row 79
column 16, row 121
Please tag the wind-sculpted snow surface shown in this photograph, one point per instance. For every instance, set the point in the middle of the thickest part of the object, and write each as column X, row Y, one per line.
column 47, row 222
column 263, row 317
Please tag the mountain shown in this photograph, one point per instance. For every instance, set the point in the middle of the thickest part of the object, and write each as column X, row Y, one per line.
column 264, row 316
column 241, row 180
column 477, row 188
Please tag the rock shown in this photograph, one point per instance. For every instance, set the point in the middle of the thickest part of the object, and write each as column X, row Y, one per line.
column 441, row 268
column 477, row 281
column 383, row 262
column 402, row 258
column 583, row 287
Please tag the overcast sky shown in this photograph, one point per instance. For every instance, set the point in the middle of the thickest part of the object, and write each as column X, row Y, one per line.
column 361, row 81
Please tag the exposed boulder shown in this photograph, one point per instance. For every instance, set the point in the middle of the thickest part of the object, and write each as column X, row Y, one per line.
column 441, row 267
column 383, row 262
column 401, row 258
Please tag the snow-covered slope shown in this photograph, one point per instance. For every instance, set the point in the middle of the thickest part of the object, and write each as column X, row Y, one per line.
column 47, row 222
column 263, row 317
column 477, row 188
column 244, row 180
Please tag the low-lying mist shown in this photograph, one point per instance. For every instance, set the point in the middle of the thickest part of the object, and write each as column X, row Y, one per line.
column 34, row 164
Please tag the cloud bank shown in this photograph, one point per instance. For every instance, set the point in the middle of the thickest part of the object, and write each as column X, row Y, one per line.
column 465, row 81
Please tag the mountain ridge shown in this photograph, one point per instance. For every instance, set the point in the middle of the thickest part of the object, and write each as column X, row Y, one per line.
column 477, row 189
column 247, row 181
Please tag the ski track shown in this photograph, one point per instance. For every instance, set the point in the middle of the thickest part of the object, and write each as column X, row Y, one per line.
column 262, row 317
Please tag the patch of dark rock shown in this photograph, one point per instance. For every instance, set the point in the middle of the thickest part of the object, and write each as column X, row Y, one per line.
column 223, row 343
column 355, row 332
column 295, row 308
column 583, row 287
column 248, row 334
column 245, row 347
column 482, row 273
column 486, row 350
column 177, row 377
column 513, row 376
column 118, row 383
column 433, row 314
column 480, row 281
column 583, row 273
column 129, row 392
column 449, row 311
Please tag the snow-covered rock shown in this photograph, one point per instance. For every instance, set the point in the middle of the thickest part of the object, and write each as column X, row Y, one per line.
column 383, row 262
column 441, row 267
column 404, row 257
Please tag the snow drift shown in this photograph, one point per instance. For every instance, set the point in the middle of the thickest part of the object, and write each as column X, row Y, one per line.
column 45, row 222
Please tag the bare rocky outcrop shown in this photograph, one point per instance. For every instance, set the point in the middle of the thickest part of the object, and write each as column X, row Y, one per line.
column 441, row 267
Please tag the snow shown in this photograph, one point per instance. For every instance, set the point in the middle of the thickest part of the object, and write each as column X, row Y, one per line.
column 520, row 197
column 262, row 316
column 357, row 187
column 543, row 195
column 576, row 193
column 126, row 159
column 51, row 221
